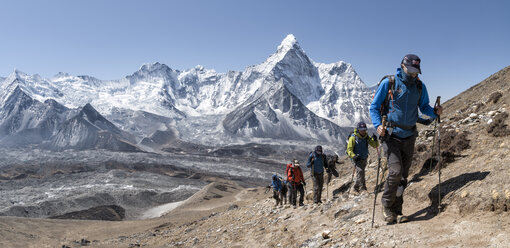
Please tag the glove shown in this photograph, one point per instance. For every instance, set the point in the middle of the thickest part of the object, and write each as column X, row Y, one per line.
column 304, row 183
column 355, row 158
column 328, row 170
column 424, row 121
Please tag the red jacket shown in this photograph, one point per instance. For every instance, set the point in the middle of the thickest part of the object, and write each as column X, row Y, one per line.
column 295, row 174
column 289, row 173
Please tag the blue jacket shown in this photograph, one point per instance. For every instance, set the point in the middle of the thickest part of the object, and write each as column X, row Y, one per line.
column 319, row 162
column 403, row 110
column 277, row 184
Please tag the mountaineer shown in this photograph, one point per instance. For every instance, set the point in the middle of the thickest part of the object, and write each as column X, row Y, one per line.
column 398, row 99
column 283, row 192
column 357, row 149
column 331, row 170
column 296, row 179
column 317, row 161
column 277, row 188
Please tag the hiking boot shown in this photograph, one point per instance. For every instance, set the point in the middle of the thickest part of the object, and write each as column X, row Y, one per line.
column 388, row 215
column 301, row 204
column 402, row 219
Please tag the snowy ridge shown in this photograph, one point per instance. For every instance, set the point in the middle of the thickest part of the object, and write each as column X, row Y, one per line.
column 332, row 92
column 346, row 99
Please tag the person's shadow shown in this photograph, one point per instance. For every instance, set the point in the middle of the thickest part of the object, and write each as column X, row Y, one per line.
column 448, row 186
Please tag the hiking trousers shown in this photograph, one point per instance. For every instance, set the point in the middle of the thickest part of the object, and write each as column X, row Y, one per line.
column 283, row 195
column 318, row 182
column 360, row 164
column 297, row 187
column 332, row 172
column 276, row 196
column 399, row 153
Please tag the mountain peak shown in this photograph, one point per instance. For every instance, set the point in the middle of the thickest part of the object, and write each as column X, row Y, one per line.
column 62, row 75
column 91, row 113
column 88, row 107
column 151, row 67
column 16, row 74
column 288, row 43
column 150, row 70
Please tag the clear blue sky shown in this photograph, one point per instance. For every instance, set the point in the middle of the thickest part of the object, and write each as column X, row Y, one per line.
column 460, row 42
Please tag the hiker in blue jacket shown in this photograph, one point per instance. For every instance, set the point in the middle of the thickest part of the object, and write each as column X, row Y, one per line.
column 317, row 161
column 277, row 189
column 406, row 96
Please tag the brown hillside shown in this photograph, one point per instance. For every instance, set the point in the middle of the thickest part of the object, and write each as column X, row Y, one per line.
column 474, row 189
column 490, row 89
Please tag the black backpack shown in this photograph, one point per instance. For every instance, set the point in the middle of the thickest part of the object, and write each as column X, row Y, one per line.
column 356, row 137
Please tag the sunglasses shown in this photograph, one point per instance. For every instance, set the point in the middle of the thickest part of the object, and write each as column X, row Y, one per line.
column 412, row 74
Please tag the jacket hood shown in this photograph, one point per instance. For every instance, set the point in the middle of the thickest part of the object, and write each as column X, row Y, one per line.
column 356, row 132
column 404, row 77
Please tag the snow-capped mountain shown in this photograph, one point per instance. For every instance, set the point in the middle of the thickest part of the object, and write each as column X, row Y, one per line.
column 288, row 96
column 346, row 98
column 90, row 130
column 27, row 121
column 280, row 114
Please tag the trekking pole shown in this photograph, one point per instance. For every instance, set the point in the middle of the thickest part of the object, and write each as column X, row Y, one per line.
column 312, row 176
column 438, row 120
column 378, row 167
column 433, row 142
column 327, row 191
column 352, row 177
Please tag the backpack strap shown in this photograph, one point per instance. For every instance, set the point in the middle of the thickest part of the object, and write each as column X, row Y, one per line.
column 389, row 95
column 419, row 85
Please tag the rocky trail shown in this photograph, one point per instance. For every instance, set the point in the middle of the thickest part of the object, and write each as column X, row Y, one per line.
column 475, row 197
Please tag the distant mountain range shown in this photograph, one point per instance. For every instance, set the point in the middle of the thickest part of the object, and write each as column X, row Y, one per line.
column 286, row 99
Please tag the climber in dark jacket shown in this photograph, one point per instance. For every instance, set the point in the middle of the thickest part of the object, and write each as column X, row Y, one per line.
column 317, row 161
column 357, row 149
column 277, row 188
column 331, row 170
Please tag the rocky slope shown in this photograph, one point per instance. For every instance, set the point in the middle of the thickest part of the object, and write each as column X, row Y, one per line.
column 474, row 199
column 474, row 195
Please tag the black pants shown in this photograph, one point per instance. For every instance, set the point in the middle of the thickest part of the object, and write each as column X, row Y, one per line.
column 276, row 196
column 283, row 194
column 400, row 155
column 295, row 188
column 360, row 183
column 332, row 172
column 318, row 182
